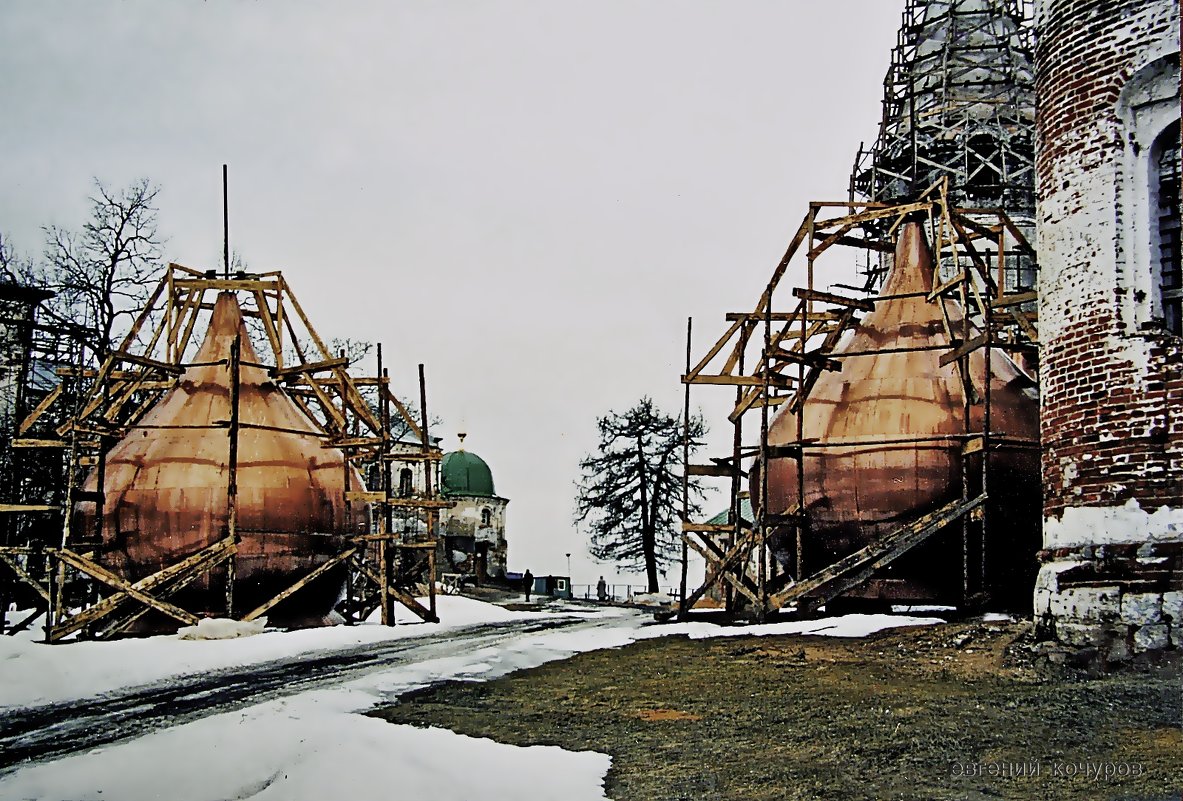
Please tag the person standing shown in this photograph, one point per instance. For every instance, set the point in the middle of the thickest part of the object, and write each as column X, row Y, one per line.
column 528, row 582
column 602, row 589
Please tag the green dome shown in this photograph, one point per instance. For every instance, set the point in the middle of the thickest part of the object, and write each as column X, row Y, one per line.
column 465, row 473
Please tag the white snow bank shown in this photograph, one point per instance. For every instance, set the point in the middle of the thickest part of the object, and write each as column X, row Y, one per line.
column 294, row 748
column 844, row 626
column 652, row 599
column 35, row 673
column 310, row 748
column 221, row 628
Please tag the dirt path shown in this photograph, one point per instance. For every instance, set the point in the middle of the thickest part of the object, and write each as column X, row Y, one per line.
column 960, row 711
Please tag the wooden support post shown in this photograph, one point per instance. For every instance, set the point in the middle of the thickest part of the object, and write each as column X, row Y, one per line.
column 235, row 367
column 262, row 609
column 428, row 486
column 682, row 610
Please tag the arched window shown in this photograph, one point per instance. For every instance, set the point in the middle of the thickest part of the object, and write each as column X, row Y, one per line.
column 406, row 482
column 1148, row 198
column 486, row 517
column 1167, row 278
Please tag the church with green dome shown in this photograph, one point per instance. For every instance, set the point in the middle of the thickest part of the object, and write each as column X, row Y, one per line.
column 473, row 529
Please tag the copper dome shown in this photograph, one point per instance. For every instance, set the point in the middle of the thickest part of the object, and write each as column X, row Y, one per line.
column 854, row 494
column 166, row 486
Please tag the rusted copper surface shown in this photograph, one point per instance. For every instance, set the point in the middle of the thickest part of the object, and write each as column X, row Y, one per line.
column 166, row 486
column 853, row 494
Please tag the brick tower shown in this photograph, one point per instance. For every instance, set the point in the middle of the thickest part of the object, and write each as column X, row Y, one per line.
column 1107, row 167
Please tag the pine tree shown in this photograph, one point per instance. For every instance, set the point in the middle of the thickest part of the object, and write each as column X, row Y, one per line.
column 630, row 490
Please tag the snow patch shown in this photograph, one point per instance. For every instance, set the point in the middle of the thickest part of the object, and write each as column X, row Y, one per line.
column 1107, row 525
column 221, row 628
column 36, row 673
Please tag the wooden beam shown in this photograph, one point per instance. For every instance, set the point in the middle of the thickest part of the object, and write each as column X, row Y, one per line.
column 708, row 528
column 24, row 576
column 224, row 285
column 308, row 369
column 838, row 300
column 725, row 380
column 714, row 351
column 198, row 562
column 29, row 507
column 1003, row 301
column 856, row 568
column 1024, row 323
column 110, row 579
column 964, row 349
column 720, row 470
column 811, row 359
column 872, row 214
column 300, row 584
column 946, row 286
column 40, row 409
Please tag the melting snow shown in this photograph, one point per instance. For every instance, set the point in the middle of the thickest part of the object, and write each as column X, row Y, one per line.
column 294, row 748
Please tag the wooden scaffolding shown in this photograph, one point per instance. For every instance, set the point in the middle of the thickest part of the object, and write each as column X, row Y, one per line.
column 772, row 357
column 92, row 408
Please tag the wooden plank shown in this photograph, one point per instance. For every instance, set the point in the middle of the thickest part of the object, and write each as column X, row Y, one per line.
column 269, row 324
column 330, row 409
column 810, row 358
column 31, row 442
column 718, row 567
column 365, row 496
column 838, row 300
column 725, row 380
column 946, row 286
column 299, row 584
column 377, row 496
column 720, row 470
column 964, row 349
column 710, row 551
column 40, row 409
column 402, row 597
column 144, row 361
column 872, row 214
column 163, row 591
column 856, row 568
column 829, row 241
column 310, row 368
column 784, row 317
column 714, row 351
column 194, row 313
column 24, row 576
column 1013, row 300
column 29, row 507
column 225, row 285
column 708, row 528
column 110, row 579
column 807, row 223
column 197, row 563
column 1025, row 323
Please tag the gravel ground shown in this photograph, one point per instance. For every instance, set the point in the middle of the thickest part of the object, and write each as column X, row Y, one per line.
column 961, row 711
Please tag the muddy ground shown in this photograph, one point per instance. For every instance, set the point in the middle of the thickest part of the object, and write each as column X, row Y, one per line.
column 961, row 711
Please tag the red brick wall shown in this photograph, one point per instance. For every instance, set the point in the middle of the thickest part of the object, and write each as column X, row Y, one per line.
column 1111, row 395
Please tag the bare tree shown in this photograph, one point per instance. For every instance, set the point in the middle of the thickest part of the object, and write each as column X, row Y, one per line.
column 13, row 268
column 104, row 273
column 631, row 490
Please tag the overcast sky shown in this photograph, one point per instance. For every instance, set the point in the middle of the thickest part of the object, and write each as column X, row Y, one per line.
column 530, row 197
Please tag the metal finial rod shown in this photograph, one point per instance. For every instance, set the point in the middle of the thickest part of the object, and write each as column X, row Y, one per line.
column 225, row 222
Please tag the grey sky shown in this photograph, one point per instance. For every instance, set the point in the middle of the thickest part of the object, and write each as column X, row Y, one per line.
column 528, row 197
